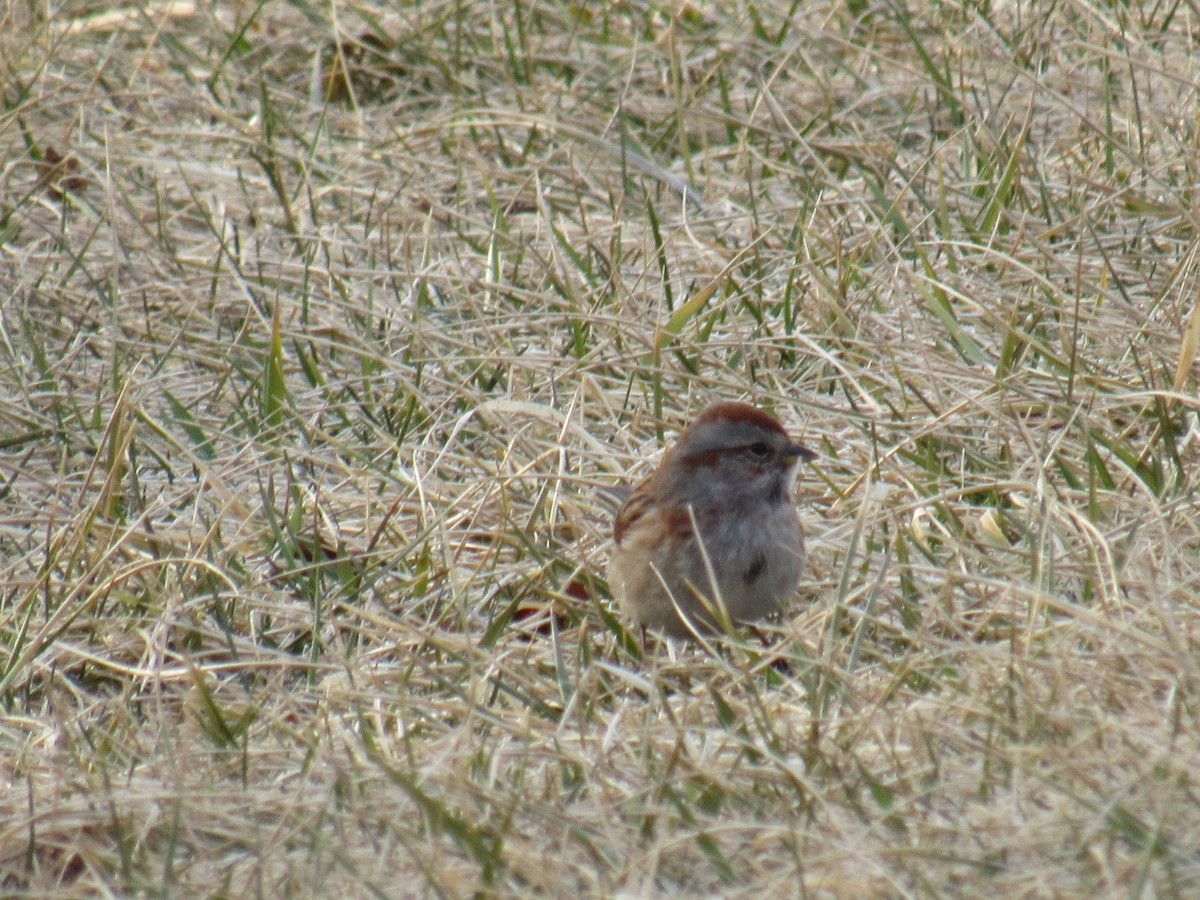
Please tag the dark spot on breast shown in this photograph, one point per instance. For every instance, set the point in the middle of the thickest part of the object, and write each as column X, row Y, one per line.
column 754, row 571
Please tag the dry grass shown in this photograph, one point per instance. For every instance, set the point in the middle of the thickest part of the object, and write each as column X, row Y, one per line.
column 320, row 323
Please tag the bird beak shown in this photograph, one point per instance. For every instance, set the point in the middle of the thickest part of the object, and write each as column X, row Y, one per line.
column 794, row 452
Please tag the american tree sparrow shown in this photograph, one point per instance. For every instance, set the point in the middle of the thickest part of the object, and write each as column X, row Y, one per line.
column 712, row 537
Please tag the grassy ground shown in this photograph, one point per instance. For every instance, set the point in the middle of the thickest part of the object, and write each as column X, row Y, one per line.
column 321, row 322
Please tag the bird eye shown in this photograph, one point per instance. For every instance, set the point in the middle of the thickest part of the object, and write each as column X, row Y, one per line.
column 760, row 449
